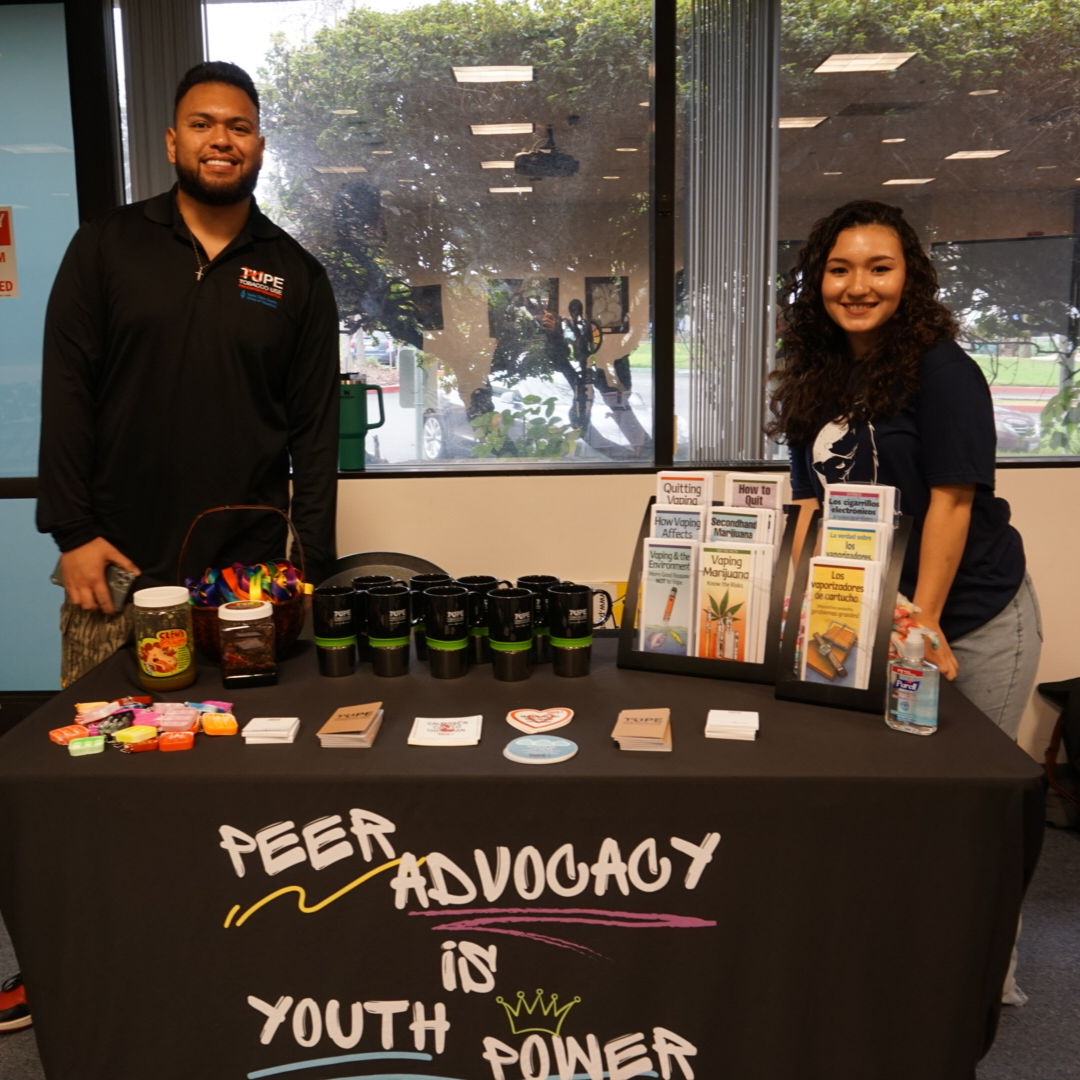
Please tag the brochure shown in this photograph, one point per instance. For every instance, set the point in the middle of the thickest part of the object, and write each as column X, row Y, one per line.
column 761, row 490
column 678, row 522
column 859, row 502
column 869, row 541
column 668, row 579
column 684, row 488
column 735, row 583
column 751, row 524
column 841, row 618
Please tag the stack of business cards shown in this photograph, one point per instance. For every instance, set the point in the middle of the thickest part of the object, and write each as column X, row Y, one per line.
column 271, row 729
column 445, row 731
column 352, row 726
column 728, row 724
column 643, row 729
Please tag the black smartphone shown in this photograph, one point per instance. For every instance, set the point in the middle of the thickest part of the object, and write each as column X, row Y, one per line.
column 117, row 578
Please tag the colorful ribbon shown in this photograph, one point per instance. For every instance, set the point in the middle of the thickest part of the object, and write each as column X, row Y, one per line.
column 279, row 582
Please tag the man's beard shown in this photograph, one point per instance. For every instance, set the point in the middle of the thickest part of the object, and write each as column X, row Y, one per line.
column 216, row 194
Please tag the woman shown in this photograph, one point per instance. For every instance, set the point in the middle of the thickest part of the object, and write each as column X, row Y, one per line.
column 872, row 387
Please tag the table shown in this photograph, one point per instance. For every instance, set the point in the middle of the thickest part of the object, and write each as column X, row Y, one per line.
column 833, row 900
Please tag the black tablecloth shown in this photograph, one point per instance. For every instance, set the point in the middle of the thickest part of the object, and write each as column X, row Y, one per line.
column 833, row 900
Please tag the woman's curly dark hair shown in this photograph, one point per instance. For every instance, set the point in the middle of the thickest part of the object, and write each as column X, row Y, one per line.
column 815, row 380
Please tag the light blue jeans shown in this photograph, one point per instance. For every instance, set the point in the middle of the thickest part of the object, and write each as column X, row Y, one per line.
column 998, row 660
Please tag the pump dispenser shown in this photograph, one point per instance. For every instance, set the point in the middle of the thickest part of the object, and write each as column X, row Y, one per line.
column 912, row 704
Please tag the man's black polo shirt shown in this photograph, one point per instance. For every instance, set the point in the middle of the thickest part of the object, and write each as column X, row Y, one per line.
column 164, row 395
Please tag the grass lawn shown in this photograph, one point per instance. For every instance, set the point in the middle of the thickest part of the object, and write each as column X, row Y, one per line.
column 641, row 357
column 1003, row 371
column 1015, row 371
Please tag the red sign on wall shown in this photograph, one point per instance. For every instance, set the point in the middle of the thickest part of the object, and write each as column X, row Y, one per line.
column 9, row 278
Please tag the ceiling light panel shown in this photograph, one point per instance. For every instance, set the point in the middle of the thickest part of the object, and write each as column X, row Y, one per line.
column 982, row 93
column 972, row 155
column 339, row 169
column 879, row 108
column 893, row 140
column 494, row 74
column 501, row 129
column 844, row 62
column 912, row 180
column 496, row 164
column 801, row 121
column 509, row 190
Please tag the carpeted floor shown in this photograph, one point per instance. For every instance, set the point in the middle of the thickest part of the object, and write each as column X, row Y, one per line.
column 1040, row 1041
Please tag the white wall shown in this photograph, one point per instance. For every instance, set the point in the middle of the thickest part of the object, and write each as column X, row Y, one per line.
column 1046, row 510
column 584, row 528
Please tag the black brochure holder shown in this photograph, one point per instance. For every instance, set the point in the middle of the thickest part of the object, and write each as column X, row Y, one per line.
column 872, row 699
column 739, row 671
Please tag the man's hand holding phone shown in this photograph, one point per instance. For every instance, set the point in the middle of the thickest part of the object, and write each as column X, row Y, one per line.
column 83, row 573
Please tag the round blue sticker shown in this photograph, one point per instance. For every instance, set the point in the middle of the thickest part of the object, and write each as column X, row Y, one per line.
column 540, row 749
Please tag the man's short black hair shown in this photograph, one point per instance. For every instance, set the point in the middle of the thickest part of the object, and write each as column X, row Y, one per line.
column 217, row 71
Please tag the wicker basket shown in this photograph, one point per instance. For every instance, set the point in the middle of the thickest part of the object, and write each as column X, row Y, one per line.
column 288, row 617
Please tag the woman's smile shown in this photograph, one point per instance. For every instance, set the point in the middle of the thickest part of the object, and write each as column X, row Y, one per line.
column 863, row 283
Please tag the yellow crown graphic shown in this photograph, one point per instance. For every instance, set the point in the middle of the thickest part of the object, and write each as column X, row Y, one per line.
column 549, row 1010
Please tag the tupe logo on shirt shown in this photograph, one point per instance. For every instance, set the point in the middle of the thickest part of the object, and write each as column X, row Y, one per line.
column 260, row 286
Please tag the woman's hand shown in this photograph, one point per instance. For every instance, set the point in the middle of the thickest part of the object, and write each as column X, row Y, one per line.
column 941, row 655
column 944, row 535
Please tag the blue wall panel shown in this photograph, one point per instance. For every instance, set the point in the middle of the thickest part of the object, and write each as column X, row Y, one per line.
column 29, row 623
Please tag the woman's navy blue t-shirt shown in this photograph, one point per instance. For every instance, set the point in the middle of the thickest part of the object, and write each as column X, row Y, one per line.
column 943, row 435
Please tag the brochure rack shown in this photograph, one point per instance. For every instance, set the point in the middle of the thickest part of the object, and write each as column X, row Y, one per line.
column 872, row 699
column 631, row 657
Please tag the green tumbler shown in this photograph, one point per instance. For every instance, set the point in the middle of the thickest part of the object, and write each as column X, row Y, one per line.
column 354, row 423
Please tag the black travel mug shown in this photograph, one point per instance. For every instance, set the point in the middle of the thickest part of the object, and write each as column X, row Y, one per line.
column 539, row 585
column 510, row 632
column 361, row 584
column 334, row 617
column 572, row 626
column 447, row 619
column 479, row 585
column 388, row 629
column 418, row 583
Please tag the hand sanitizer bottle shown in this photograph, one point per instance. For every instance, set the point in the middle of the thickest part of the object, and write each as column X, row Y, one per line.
column 912, row 704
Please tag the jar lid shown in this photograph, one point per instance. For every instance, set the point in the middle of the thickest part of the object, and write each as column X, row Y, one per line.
column 162, row 596
column 245, row 610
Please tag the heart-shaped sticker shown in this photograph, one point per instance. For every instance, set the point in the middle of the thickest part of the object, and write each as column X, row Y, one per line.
column 534, row 720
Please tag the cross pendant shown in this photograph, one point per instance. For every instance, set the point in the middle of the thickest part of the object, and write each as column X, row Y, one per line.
column 199, row 274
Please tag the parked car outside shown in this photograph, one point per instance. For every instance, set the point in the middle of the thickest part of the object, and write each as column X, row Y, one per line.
column 1016, row 430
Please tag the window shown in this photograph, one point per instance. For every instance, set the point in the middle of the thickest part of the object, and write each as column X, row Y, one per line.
column 385, row 162
column 967, row 118
column 476, row 179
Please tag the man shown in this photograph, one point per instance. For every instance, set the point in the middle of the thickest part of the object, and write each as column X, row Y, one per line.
column 191, row 354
